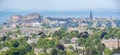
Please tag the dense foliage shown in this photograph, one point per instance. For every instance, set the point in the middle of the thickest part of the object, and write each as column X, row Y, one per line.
column 91, row 42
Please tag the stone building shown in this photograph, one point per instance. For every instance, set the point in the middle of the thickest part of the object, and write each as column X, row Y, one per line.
column 111, row 43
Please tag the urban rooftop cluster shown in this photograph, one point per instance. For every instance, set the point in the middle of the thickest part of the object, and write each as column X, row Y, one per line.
column 35, row 34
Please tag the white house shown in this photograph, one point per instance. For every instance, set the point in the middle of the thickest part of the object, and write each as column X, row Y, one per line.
column 74, row 40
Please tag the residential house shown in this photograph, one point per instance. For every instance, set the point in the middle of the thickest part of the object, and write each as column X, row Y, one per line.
column 38, row 50
column 111, row 43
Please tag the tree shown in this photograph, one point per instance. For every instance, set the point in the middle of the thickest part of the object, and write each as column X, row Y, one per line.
column 81, row 41
column 30, row 53
column 45, row 43
column 103, row 34
column 0, row 27
column 9, row 33
column 17, row 26
column 83, row 35
column 4, row 38
column 74, row 33
column 15, row 43
column 33, row 35
column 7, row 43
column 100, row 48
column 68, row 52
column 107, row 51
column 57, row 34
column 28, row 48
column 18, row 32
column 54, row 51
column 42, row 53
column 18, row 47
column 60, row 47
column 61, row 52
column 70, row 47
column 40, row 33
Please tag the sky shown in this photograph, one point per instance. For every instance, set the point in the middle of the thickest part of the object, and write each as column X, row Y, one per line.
column 59, row 5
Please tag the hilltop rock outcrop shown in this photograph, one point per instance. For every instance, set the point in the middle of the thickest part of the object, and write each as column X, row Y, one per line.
column 34, row 17
column 15, row 18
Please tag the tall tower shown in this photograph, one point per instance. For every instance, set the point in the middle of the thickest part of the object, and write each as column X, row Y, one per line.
column 91, row 15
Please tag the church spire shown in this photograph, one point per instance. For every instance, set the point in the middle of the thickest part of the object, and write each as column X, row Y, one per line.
column 91, row 16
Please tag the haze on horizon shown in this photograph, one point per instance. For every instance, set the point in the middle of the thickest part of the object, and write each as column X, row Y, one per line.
column 59, row 5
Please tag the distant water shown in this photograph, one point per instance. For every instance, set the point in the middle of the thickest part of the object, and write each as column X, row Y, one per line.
column 5, row 15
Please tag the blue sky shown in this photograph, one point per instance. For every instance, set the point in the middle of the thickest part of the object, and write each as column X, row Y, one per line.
column 59, row 5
